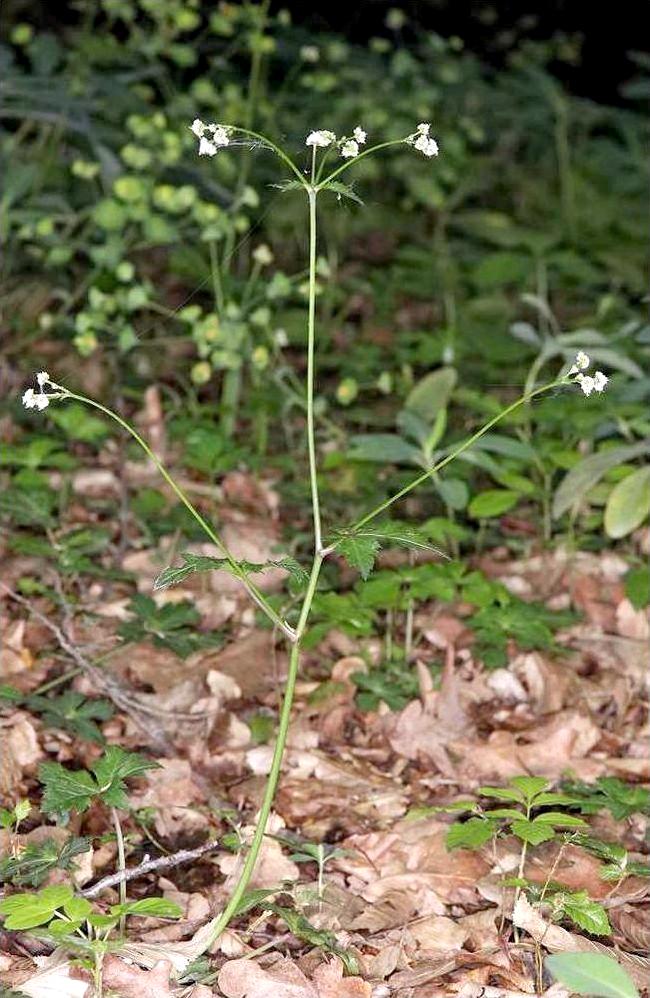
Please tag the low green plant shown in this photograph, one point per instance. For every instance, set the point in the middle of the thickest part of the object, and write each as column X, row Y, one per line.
column 71, row 711
column 71, row 922
column 528, row 818
column 56, row 912
column 323, row 179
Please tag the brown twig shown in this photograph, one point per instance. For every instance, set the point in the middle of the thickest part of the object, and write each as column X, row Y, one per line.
column 148, row 866
column 107, row 685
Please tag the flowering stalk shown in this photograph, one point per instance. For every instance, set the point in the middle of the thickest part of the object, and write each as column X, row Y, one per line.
column 212, row 137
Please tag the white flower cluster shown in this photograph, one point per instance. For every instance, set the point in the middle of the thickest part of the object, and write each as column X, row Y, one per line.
column 39, row 399
column 211, row 137
column 348, row 145
column 423, row 141
column 589, row 384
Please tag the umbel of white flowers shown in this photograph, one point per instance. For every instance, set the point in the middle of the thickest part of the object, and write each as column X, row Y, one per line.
column 213, row 137
column 589, row 384
column 41, row 399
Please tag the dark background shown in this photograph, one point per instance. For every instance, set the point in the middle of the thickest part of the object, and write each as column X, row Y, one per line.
column 607, row 35
column 607, row 32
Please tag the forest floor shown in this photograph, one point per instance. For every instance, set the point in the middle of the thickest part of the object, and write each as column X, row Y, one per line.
column 390, row 909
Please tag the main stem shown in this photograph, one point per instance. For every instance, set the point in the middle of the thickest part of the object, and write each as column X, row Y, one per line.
column 311, row 339
column 294, row 658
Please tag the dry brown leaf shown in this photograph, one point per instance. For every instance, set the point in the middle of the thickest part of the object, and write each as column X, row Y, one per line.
column 438, row 933
column 246, row 979
column 172, row 791
column 631, row 623
column 633, row 922
column 55, row 978
column 130, row 981
column 412, row 857
column 415, row 732
column 559, row 940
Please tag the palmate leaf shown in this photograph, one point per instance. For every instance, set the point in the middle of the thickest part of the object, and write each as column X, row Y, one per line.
column 192, row 563
column 67, row 790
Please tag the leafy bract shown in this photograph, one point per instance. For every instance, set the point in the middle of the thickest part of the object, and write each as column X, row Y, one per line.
column 192, row 563
column 359, row 547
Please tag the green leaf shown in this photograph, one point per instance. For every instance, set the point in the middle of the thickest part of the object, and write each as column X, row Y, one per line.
column 202, row 563
column 532, row 832
column 500, row 793
column 470, row 834
column 113, row 768
column 506, row 812
column 637, row 587
column 359, row 551
column 343, row 190
column 26, row 911
column 77, row 908
column 553, row 797
column 582, row 477
column 432, row 393
column 155, row 907
column 65, row 789
column 492, row 502
column 587, row 914
column 559, row 818
column 530, row 786
column 383, row 448
column 592, row 974
column 628, row 504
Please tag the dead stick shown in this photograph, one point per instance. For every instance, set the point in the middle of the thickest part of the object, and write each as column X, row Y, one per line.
column 109, row 687
column 162, row 863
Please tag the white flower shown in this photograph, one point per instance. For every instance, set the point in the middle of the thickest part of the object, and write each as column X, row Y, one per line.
column 426, row 145
column 349, row 149
column 263, row 255
column 219, row 135
column 359, row 135
column 207, row 148
column 423, row 128
column 35, row 400
column 310, row 53
column 600, row 381
column 281, row 338
column 198, row 128
column 581, row 362
column 320, row 138
column 39, row 399
column 587, row 383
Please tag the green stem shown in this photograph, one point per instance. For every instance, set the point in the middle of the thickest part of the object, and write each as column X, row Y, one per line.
column 454, row 454
column 269, row 791
column 311, row 339
column 237, row 570
column 230, row 393
column 276, row 149
column 362, row 155
column 121, row 863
